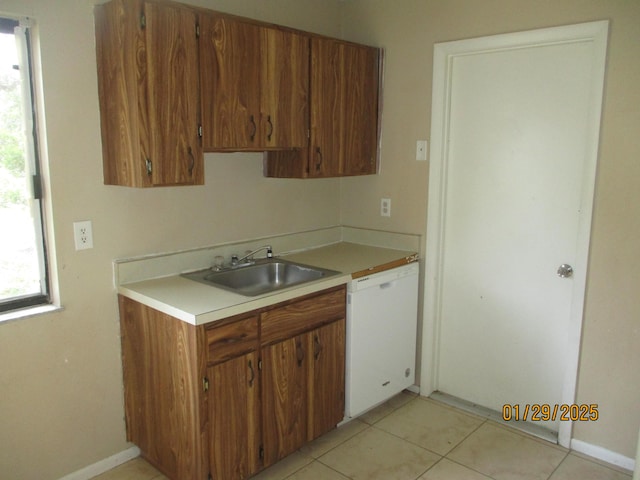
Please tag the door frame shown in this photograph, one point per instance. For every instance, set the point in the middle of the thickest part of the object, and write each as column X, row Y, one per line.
column 444, row 53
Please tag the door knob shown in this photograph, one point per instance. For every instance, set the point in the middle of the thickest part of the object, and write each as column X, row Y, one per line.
column 565, row 270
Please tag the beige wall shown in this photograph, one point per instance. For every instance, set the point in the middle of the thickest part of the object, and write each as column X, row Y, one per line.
column 60, row 375
column 60, row 381
column 610, row 359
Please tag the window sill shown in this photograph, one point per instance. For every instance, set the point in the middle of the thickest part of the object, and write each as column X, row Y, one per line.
column 28, row 312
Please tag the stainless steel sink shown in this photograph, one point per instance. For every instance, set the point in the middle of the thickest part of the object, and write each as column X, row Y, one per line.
column 263, row 276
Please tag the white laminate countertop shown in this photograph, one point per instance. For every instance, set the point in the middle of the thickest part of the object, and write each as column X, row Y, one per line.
column 197, row 303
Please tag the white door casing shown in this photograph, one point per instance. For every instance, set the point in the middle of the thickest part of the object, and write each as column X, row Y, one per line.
column 514, row 136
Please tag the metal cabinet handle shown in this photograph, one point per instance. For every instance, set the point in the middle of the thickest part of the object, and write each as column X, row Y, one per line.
column 319, row 155
column 299, row 353
column 193, row 162
column 317, row 348
column 255, row 128
column 253, row 375
column 270, row 128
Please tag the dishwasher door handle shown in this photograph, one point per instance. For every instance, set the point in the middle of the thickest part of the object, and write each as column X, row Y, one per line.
column 385, row 285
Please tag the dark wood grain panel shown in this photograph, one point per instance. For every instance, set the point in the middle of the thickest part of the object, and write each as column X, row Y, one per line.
column 287, row 163
column 284, row 89
column 271, row 399
column 230, row 72
column 119, row 43
column 360, row 110
column 233, row 339
column 173, row 79
column 235, row 413
column 327, row 98
column 255, row 84
column 162, row 385
column 326, row 378
column 149, row 93
column 285, row 397
column 344, row 114
column 303, row 315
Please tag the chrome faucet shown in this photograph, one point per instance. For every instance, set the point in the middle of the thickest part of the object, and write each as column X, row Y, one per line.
column 237, row 262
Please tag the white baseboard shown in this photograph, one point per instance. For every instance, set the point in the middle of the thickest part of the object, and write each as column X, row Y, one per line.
column 103, row 465
column 603, row 454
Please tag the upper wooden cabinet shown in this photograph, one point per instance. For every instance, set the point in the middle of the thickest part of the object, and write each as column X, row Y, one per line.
column 344, row 114
column 175, row 81
column 255, row 83
column 149, row 91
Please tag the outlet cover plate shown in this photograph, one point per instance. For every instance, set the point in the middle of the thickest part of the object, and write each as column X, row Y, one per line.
column 83, row 235
column 385, row 207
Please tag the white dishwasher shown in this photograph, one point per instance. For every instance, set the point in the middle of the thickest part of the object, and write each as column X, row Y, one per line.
column 382, row 315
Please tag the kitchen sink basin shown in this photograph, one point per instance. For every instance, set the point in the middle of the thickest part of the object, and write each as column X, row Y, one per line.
column 263, row 276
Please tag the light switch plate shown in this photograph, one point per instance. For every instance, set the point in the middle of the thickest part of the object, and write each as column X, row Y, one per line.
column 421, row 150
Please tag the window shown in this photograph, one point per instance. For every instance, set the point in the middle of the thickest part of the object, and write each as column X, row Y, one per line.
column 23, row 265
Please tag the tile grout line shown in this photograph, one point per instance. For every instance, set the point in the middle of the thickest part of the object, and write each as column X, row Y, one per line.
column 470, row 468
column 408, row 441
column 370, row 426
column 432, row 466
column 558, row 466
column 483, row 420
column 296, row 471
column 335, row 470
column 367, row 427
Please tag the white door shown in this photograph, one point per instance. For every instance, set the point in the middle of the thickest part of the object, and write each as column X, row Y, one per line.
column 513, row 170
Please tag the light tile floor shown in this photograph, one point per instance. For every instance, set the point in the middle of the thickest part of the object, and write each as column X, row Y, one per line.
column 414, row 438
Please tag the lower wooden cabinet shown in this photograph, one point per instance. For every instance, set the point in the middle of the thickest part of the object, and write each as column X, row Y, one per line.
column 234, row 418
column 165, row 410
column 301, row 397
column 227, row 399
column 326, row 379
column 285, row 398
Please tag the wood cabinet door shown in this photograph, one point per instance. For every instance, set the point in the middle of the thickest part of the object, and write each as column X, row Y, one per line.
column 344, row 109
column 234, row 417
column 170, row 136
column 326, row 108
column 285, row 89
column 284, row 387
column 326, row 378
column 360, row 110
column 117, row 24
column 230, row 75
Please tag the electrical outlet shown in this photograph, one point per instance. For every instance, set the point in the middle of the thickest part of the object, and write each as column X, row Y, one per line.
column 385, row 207
column 83, row 235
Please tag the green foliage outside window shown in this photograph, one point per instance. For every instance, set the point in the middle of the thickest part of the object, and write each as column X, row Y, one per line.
column 12, row 164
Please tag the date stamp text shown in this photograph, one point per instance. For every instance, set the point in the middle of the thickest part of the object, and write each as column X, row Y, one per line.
column 544, row 412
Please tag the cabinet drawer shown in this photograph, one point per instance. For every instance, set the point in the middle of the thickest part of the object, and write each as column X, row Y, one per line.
column 303, row 315
column 233, row 339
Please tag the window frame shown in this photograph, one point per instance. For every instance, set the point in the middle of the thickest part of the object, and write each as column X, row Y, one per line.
column 22, row 26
